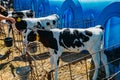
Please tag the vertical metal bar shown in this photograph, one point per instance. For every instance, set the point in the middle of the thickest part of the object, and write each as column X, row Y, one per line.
column 13, row 35
column 30, row 64
column 49, row 75
column 36, row 71
column 86, row 68
column 70, row 72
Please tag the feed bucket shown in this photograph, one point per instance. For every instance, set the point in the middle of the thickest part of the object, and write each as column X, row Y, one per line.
column 32, row 47
column 23, row 72
column 8, row 42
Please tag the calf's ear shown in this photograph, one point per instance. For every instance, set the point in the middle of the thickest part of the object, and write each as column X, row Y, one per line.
column 31, row 10
column 14, row 15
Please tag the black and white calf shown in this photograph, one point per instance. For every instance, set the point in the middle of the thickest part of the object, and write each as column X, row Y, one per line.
column 48, row 22
column 22, row 14
column 18, row 15
column 69, row 39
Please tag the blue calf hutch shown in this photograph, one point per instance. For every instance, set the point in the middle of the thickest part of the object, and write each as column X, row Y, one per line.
column 82, row 14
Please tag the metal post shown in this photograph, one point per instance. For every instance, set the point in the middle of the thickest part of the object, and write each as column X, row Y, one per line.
column 70, row 72
column 86, row 68
column 49, row 74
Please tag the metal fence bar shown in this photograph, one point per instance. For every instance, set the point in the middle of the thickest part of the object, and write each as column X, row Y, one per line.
column 114, row 75
column 70, row 72
column 86, row 69
column 87, row 56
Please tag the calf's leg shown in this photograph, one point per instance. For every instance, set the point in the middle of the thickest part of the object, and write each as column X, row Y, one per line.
column 56, row 66
column 96, row 60
column 105, row 63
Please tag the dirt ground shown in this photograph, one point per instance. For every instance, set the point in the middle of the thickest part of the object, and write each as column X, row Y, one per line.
column 40, row 62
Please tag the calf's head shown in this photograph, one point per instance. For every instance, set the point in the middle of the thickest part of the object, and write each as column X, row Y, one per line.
column 20, row 24
column 30, row 14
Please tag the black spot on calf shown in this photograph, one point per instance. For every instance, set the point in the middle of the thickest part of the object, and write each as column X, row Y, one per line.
column 47, row 23
column 31, row 36
column 54, row 22
column 75, row 32
column 88, row 33
column 47, row 39
column 101, row 28
column 76, row 39
column 68, row 39
column 83, row 37
column 38, row 25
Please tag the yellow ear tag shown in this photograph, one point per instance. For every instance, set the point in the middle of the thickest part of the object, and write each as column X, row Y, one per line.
column 37, row 37
column 18, row 19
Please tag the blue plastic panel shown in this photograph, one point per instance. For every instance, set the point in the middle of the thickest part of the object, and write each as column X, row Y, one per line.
column 67, row 18
column 112, row 33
